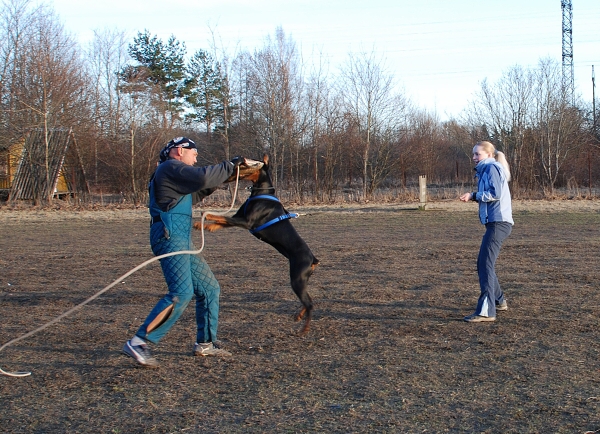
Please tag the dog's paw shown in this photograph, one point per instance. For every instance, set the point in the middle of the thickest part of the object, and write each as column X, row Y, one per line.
column 210, row 227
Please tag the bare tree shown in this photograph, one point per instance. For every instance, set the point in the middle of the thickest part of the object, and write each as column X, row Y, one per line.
column 274, row 76
column 17, row 21
column 460, row 139
column 107, row 56
column 527, row 114
column 504, row 108
column 375, row 110
column 317, row 99
column 559, row 126
column 224, row 96
column 43, row 82
column 425, row 138
column 136, row 147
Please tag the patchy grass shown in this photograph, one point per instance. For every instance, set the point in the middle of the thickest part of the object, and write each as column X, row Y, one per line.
column 388, row 350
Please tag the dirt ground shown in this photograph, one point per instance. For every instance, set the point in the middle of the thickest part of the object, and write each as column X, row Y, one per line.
column 388, row 351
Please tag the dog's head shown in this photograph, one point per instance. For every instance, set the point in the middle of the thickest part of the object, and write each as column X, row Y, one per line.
column 248, row 170
column 261, row 175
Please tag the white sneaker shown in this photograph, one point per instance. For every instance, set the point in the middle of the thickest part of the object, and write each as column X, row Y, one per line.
column 208, row 349
column 478, row 318
column 502, row 306
column 141, row 354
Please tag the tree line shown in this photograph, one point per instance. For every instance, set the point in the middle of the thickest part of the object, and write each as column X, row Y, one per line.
column 325, row 131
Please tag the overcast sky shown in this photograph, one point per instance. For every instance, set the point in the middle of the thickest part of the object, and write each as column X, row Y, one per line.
column 438, row 50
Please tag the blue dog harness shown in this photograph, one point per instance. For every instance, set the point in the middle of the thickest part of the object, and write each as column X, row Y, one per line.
column 285, row 216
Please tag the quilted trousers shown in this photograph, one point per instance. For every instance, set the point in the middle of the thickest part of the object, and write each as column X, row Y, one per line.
column 186, row 276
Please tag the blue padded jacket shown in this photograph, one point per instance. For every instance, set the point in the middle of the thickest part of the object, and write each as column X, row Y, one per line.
column 493, row 194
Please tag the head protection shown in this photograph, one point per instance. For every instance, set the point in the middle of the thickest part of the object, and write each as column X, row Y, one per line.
column 178, row 142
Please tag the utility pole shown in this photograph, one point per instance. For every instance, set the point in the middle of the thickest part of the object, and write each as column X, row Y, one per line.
column 594, row 131
column 594, row 102
column 567, row 50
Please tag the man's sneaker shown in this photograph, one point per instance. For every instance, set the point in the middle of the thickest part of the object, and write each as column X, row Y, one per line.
column 209, row 349
column 502, row 306
column 478, row 318
column 141, row 354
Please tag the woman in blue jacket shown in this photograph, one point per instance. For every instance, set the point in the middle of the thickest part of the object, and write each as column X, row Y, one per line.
column 495, row 212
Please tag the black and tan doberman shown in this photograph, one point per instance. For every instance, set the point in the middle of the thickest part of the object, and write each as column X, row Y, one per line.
column 266, row 218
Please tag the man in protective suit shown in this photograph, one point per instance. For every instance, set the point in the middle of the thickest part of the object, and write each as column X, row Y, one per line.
column 175, row 186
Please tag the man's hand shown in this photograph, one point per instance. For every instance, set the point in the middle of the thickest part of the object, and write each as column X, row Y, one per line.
column 236, row 161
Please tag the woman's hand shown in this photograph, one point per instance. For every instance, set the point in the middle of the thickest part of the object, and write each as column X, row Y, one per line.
column 466, row 197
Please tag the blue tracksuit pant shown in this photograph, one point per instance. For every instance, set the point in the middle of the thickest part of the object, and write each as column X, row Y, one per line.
column 495, row 234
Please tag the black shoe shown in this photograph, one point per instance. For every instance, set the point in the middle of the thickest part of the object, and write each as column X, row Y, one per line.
column 141, row 354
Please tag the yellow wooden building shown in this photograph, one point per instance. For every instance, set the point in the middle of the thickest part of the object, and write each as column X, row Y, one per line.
column 23, row 167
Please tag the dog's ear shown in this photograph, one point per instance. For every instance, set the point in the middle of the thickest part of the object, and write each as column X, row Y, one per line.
column 266, row 159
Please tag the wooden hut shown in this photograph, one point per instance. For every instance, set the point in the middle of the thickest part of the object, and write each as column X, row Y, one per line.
column 42, row 167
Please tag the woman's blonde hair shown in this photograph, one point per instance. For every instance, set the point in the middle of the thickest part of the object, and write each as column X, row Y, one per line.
column 500, row 157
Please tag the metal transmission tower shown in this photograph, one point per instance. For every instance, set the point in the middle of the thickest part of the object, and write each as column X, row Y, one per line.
column 567, row 50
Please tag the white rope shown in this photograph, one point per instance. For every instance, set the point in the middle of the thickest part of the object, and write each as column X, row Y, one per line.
column 120, row 279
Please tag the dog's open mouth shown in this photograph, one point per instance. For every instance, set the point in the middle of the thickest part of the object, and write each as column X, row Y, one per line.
column 247, row 168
